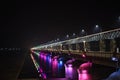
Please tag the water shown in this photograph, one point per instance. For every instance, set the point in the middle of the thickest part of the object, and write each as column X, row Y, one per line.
column 55, row 67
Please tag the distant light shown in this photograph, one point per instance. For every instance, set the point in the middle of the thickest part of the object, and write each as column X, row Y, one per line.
column 57, row 39
column 96, row 26
column 39, row 75
column 83, row 30
column 67, row 36
column 73, row 34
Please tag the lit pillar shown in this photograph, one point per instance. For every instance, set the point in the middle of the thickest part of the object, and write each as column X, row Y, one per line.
column 84, row 44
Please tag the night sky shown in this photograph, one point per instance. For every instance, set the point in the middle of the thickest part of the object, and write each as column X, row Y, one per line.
column 27, row 23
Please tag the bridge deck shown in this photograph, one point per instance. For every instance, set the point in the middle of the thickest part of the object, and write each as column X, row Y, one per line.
column 103, row 58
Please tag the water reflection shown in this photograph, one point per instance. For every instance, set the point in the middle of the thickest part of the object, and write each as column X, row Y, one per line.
column 84, row 76
column 54, row 66
column 73, row 73
column 70, row 72
column 51, row 65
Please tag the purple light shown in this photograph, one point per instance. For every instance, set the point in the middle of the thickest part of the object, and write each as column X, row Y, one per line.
column 44, row 75
column 50, row 60
column 69, row 71
column 69, row 65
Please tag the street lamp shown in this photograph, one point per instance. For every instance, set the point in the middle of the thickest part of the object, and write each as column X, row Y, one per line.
column 58, row 39
column 67, row 36
column 73, row 34
column 97, row 29
column 83, row 32
column 97, row 26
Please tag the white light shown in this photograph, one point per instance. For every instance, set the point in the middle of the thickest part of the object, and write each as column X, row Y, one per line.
column 84, row 41
column 96, row 26
column 67, row 36
column 83, row 30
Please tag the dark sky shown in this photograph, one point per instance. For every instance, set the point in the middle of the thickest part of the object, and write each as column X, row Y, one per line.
column 27, row 23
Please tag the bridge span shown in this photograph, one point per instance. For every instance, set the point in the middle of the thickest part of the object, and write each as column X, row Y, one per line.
column 100, row 47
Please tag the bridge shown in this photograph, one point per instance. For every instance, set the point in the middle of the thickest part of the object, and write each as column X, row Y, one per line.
column 100, row 47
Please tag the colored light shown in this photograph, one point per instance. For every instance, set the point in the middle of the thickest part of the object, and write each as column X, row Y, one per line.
column 69, row 65
column 83, row 55
column 61, row 62
column 114, row 59
column 84, row 76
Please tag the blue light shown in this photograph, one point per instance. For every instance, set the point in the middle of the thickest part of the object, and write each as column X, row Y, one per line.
column 61, row 62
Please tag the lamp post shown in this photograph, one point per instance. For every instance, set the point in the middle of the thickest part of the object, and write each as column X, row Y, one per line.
column 97, row 29
column 67, row 36
column 83, row 33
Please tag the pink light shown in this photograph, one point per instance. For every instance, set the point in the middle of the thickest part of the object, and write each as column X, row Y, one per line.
column 41, row 70
column 69, row 65
column 84, row 71
column 69, row 68
column 84, row 76
column 83, row 55
column 54, row 66
column 44, row 76
column 85, row 66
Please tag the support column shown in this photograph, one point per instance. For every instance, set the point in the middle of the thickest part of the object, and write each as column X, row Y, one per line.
column 112, row 45
column 60, row 47
column 69, row 47
column 77, row 47
column 102, row 45
column 87, row 46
